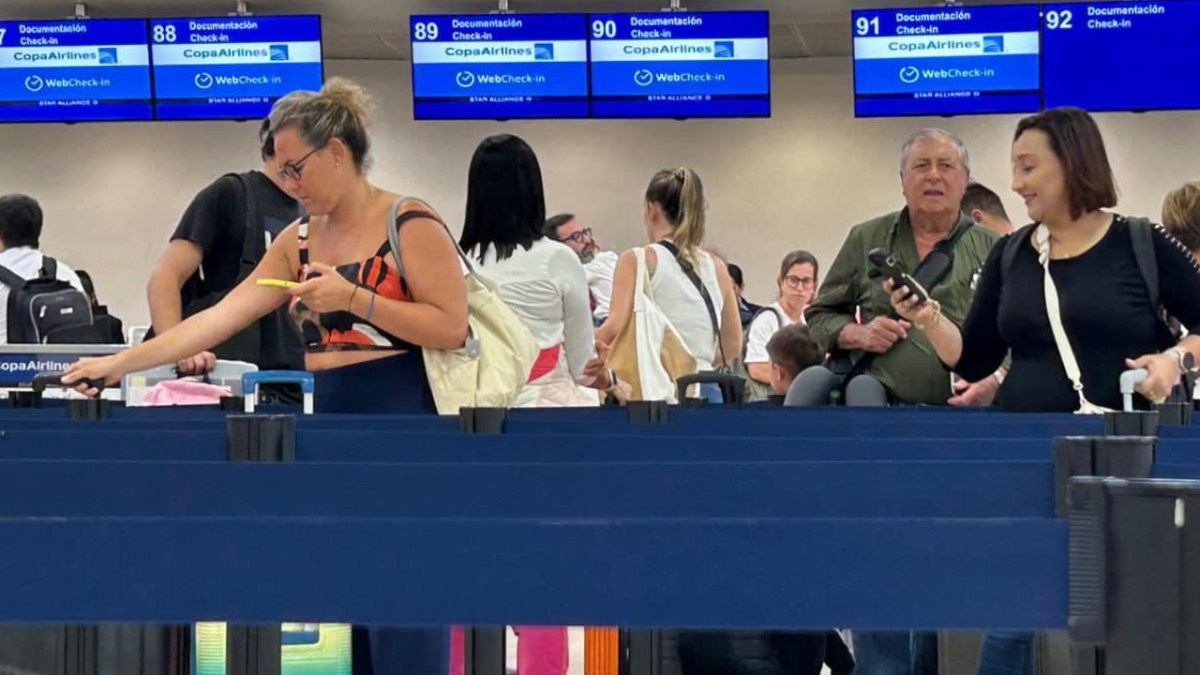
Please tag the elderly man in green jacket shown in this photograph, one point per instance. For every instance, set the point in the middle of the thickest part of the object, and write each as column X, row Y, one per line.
column 852, row 316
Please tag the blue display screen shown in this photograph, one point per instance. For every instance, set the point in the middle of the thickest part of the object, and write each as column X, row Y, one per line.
column 74, row 71
column 503, row 66
column 946, row 61
column 1122, row 56
column 232, row 67
column 679, row 65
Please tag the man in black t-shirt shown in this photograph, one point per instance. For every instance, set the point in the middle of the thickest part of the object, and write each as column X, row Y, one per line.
column 209, row 255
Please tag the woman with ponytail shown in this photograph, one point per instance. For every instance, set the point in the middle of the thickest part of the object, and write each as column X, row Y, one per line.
column 674, row 218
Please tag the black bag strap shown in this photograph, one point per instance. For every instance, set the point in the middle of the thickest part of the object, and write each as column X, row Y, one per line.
column 929, row 276
column 49, row 268
column 750, row 324
column 692, row 276
column 10, row 278
column 1141, row 231
column 252, row 227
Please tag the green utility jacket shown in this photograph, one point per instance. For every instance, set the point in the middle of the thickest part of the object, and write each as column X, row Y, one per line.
column 911, row 370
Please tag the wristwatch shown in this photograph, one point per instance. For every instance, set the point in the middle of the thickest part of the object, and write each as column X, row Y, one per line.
column 1183, row 359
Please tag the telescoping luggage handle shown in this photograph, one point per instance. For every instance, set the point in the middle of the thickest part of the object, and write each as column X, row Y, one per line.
column 1130, row 379
column 54, row 380
column 252, row 380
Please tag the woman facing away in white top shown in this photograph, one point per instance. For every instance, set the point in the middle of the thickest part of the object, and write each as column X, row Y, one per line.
column 541, row 281
column 675, row 217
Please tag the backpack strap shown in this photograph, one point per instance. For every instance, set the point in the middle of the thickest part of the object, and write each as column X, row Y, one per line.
column 49, row 268
column 253, row 229
column 750, row 325
column 1141, row 231
column 1013, row 246
column 10, row 278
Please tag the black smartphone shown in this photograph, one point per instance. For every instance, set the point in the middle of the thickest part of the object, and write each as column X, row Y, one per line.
column 891, row 268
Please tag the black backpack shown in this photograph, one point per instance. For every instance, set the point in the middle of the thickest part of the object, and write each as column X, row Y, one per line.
column 272, row 342
column 47, row 310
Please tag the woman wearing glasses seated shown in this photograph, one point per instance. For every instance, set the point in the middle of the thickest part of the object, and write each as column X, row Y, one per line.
column 797, row 284
column 363, row 324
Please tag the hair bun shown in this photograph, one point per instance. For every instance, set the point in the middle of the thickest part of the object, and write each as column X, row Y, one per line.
column 350, row 96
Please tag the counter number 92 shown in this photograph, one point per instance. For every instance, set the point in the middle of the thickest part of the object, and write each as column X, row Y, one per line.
column 1059, row 19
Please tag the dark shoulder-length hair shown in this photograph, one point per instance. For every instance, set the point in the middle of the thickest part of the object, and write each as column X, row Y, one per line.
column 1078, row 144
column 506, row 203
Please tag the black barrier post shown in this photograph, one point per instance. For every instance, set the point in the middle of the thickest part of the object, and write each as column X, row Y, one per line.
column 644, row 650
column 261, row 438
column 79, row 647
column 484, row 651
column 253, row 649
column 257, row 649
column 1112, row 455
column 1135, row 574
column 647, row 412
column 482, row 420
column 1119, row 456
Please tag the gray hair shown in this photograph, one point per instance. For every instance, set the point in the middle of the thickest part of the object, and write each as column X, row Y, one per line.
column 285, row 106
column 934, row 134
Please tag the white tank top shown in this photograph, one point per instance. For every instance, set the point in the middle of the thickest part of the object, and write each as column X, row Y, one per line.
column 681, row 301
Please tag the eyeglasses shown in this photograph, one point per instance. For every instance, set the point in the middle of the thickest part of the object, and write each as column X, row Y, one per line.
column 799, row 282
column 580, row 236
column 295, row 170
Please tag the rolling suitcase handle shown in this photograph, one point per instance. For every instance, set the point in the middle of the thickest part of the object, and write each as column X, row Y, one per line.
column 252, row 380
column 733, row 387
column 1130, row 379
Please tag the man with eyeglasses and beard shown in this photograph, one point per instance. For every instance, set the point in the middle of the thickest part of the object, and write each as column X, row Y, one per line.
column 221, row 237
column 599, row 265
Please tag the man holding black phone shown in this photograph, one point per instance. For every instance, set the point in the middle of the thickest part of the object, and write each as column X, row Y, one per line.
column 876, row 359
column 880, row 361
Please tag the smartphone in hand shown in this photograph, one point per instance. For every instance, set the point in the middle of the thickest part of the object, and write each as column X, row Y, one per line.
column 890, row 267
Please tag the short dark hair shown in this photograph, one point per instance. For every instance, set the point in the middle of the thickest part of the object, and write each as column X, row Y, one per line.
column 555, row 222
column 798, row 258
column 506, row 203
column 979, row 196
column 793, row 349
column 20, row 221
column 735, row 273
column 1076, row 140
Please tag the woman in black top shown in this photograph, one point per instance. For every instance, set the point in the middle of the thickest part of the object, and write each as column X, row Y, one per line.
column 1061, row 170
